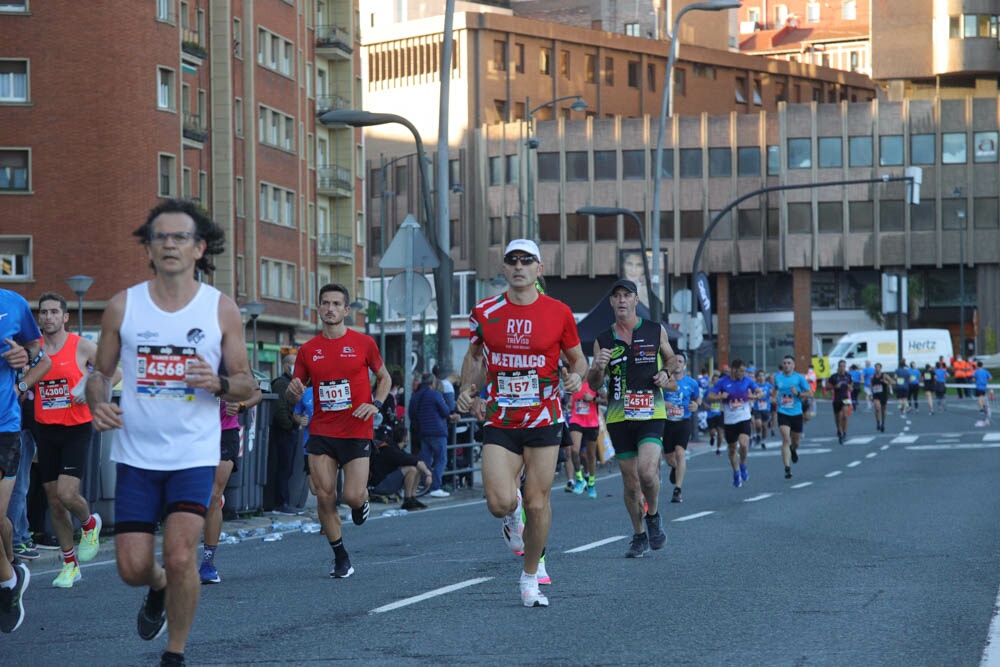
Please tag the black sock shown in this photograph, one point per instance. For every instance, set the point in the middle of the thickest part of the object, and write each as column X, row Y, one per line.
column 338, row 548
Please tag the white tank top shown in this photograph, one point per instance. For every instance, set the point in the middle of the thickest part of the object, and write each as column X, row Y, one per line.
column 168, row 426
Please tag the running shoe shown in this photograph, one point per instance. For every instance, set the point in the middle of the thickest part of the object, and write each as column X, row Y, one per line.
column 90, row 541
column 439, row 493
column 543, row 576
column 579, row 487
column 45, row 541
column 208, row 573
column 592, row 491
column 68, row 576
column 841, row 437
column 26, row 551
column 360, row 515
column 412, row 505
column 744, row 474
column 169, row 659
column 152, row 620
column 569, row 486
column 513, row 527
column 788, row 472
column 638, row 547
column 737, row 482
column 531, row 596
column 795, row 453
column 763, row 445
column 341, row 568
column 654, row 531
column 11, row 607
column 677, row 497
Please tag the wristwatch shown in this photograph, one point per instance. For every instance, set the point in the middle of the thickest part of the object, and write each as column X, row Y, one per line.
column 22, row 387
column 377, row 404
column 223, row 386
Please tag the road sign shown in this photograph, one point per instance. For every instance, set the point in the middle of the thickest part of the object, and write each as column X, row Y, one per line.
column 409, row 248
column 395, row 292
column 681, row 301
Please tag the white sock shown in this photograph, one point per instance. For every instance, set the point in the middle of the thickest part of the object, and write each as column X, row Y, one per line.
column 528, row 579
column 9, row 584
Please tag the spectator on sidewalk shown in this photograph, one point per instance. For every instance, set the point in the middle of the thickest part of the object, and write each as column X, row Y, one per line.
column 284, row 438
column 17, row 510
column 392, row 468
column 429, row 419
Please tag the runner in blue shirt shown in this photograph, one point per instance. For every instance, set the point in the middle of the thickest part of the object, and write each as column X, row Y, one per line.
column 737, row 394
column 680, row 403
column 866, row 375
column 902, row 376
column 982, row 378
column 762, row 409
column 790, row 388
column 713, row 416
column 914, row 386
column 940, row 380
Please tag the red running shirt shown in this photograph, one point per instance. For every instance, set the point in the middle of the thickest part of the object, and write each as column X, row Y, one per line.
column 53, row 400
column 339, row 369
column 521, row 345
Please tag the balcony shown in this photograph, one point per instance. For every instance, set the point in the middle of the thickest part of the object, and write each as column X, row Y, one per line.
column 333, row 42
column 335, row 248
column 334, row 181
column 326, row 103
column 194, row 128
column 191, row 45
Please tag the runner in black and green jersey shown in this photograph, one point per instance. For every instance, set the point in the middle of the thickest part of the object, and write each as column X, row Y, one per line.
column 635, row 355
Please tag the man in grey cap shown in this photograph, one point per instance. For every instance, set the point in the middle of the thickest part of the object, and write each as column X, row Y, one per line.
column 636, row 356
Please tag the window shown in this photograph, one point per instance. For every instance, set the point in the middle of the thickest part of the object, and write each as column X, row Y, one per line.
column 240, row 197
column 748, row 223
column 773, row 160
column 859, row 151
column 854, row 61
column 499, row 55
column 167, row 175
column 238, row 117
column 922, row 216
column 985, row 144
column 576, row 166
column 590, row 67
column 609, row 71
column 985, row 211
column 862, row 216
column 186, row 182
column 831, row 217
column 831, row 152
column 812, row 12
column 748, row 161
column 276, row 129
column 454, row 173
column 703, row 71
column 165, row 88
column 651, row 76
column 496, row 170
column 633, row 74
column 890, row 150
column 513, row 168
column 633, row 165
column 277, row 205
column 605, row 166
column 720, row 162
column 13, row 80
column 237, row 39
column 15, row 256
column 632, row 30
column 953, row 148
column 799, row 218
column 680, row 81
column 519, row 58
column 741, row 90
column 757, row 99
column 564, row 64
column 274, row 52
column 163, row 8
column 692, row 224
column 753, row 14
column 667, row 163
column 921, row 149
column 548, row 167
column 891, row 215
column 799, row 153
column 849, row 12
column 277, row 279
column 545, row 61
column 690, row 162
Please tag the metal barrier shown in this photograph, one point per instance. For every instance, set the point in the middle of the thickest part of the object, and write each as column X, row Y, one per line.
column 464, row 454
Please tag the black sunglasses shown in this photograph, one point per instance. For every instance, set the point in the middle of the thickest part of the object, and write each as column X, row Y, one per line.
column 526, row 260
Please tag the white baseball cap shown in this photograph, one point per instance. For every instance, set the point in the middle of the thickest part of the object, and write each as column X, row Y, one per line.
column 524, row 245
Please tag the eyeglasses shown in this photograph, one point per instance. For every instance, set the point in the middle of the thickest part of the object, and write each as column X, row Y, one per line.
column 525, row 260
column 177, row 238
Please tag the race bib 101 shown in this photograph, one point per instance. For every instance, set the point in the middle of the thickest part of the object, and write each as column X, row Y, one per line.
column 334, row 395
column 160, row 372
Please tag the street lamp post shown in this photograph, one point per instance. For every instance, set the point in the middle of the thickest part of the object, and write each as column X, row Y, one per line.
column 254, row 310
column 80, row 285
column 961, row 279
column 667, row 110
column 533, row 143
column 444, row 270
column 654, row 298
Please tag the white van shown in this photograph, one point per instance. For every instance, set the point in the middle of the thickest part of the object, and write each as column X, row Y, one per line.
column 922, row 346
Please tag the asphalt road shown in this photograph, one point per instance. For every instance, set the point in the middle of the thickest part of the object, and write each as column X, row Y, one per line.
column 883, row 551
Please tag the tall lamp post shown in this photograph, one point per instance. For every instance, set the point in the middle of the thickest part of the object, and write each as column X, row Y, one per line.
column 80, row 285
column 533, row 143
column 654, row 298
column 667, row 110
column 444, row 270
column 961, row 278
column 254, row 310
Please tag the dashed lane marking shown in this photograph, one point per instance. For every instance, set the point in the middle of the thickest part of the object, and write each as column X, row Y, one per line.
column 598, row 543
column 428, row 595
column 854, row 464
column 832, row 474
column 696, row 515
column 754, row 499
column 871, row 455
column 801, row 485
column 862, row 440
column 904, row 439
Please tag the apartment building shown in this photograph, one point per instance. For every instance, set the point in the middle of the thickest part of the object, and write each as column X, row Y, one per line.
column 211, row 100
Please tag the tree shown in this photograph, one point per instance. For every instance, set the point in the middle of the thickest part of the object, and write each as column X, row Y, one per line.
column 871, row 302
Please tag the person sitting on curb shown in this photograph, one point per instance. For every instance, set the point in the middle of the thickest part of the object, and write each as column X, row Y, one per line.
column 393, row 467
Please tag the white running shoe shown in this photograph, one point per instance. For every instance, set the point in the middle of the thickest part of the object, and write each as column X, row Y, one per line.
column 543, row 577
column 531, row 596
column 513, row 527
column 439, row 493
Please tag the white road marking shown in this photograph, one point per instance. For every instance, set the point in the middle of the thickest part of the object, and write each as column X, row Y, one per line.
column 801, row 485
column 883, row 448
column 832, row 474
column 991, row 654
column 862, row 440
column 754, row 499
column 696, row 515
column 871, row 455
column 854, row 464
column 945, row 445
column 598, row 543
column 991, row 437
column 429, row 594
column 904, row 439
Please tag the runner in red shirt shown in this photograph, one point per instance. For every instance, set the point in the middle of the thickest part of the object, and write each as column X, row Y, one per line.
column 516, row 341
column 337, row 364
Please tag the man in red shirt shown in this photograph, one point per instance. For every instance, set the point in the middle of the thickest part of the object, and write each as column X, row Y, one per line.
column 516, row 341
column 336, row 364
